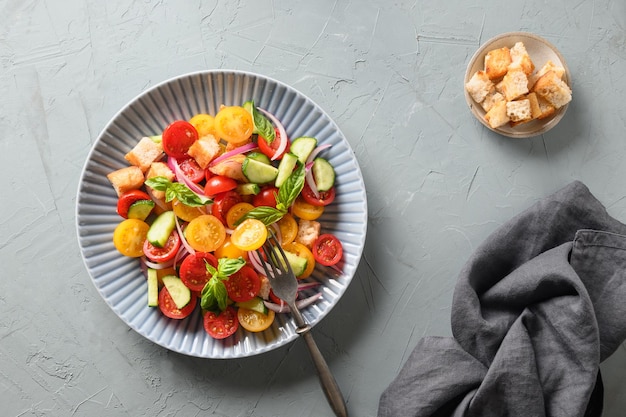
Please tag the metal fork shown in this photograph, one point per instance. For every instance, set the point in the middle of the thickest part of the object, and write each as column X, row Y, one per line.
column 285, row 286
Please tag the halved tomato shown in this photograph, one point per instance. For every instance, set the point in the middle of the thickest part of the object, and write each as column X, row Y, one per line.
column 324, row 197
column 270, row 149
column 306, row 211
column 205, row 233
column 193, row 272
column 249, row 235
column 219, row 184
column 127, row 199
column 222, row 325
column 224, row 202
column 234, row 124
column 169, row 309
column 192, row 170
column 167, row 252
column 129, row 236
column 254, row 321
column 243, row 285
column 327, row 249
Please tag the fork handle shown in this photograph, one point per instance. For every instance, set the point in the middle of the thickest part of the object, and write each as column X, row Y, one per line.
column 327, row 380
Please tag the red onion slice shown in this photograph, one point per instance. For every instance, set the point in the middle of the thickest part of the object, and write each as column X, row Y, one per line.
column 241, row 149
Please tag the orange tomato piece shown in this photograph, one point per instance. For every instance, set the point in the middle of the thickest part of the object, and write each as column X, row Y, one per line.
column 236, row 212
column 254, row 321
column 249, row 235
column 304, row 252
column 205, row 233
column 186, row 212
column 288, row 229
column 306, row 211
column 234, row 124
column 129, row 237
column 204, row 124
column 229, row 250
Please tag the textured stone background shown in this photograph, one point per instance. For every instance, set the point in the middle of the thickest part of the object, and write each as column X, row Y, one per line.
column 391, row 75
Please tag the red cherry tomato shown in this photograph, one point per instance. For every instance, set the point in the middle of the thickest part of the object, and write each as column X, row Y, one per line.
column 167, row 252
column 276, row 299
column 324, row 199
column 270, row 149
column 243, row 285
column 169, row 309
column 192, row 170
column 178, row 137
column 222, row 325
column 219, row 184
column 193, row 272
column 208, row 174
column 127, row 199
column 266, row 197
column 327, row 250
column 223, row 202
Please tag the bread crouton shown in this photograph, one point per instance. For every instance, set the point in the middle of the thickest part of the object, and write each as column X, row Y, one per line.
column 308, row 232
column 159, row 169
column 513, row 85
column 545, row 107
column 520, row 59
column 144, row 153
column 548, row 66
column 125, row 179
column 553, row 89
column 231, row 168
column 497, row 62
column 479, row 86
column 519, row 110
column 497, row 117
column 204, row 150
column 264, row 292
column 535, row 109
column 491, row 100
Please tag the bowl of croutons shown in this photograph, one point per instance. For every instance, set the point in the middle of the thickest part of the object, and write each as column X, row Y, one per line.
column 518, row 85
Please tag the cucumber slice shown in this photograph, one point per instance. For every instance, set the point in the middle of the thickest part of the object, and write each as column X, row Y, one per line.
column 324, row 174
column 180, row 293
column 302, row 147
column 140, row 209
column 298, row 264
column 248, row 189
column 161, row 228
column 153, row 288
column 258, row 172
column 255, row 304
column 259, row 156
column 285, row 168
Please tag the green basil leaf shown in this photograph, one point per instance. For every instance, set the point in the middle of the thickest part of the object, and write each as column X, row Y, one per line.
column 158, row 183
column 177, row 190
column 265, row 214
column 226, row 267
column 214, row 295
column 290, row 189
column 221, row 295
column 262, row 125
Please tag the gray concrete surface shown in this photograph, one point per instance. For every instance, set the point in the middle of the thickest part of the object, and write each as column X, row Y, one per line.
column 390, row 74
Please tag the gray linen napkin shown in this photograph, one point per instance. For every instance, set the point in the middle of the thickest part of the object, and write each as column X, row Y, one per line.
column 535, row 310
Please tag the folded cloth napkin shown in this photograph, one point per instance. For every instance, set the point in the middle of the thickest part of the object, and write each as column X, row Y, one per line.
column 535, row 310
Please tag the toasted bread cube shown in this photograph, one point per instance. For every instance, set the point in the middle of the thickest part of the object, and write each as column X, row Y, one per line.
column 231, row 168
column 535, row 109
column 308, row 232
column 159, row 169
column 144, row 153
column 479, row 86
column 497, row 117
column 545, row 107
column 125, row 179
column 264, row 292
column 513, row 85
column 520, row 59
column 497, row 62
column 519, row 110
column 491, row 100
column 204, row 150
column 548, row 66
column 553, row 89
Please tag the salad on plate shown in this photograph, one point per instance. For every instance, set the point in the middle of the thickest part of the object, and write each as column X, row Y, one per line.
column 197, row 202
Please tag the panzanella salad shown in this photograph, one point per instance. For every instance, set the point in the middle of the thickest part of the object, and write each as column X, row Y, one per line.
column 197, row 200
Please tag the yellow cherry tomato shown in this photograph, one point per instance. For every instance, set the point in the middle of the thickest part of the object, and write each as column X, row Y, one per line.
column 306, row 211
column 234, row 124
column 249, row 235
column 129, row 237
column 235, row 213
column 205, row 233
column 288, row 228
column 186, row 212
column 304, row 252
column 229, row 250
column 254, row 321
column 204, row 124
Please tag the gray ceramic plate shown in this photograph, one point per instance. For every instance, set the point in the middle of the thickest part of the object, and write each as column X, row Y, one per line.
column 119, row 279
column 540, row 51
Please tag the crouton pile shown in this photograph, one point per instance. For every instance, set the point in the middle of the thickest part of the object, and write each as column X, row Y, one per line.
column 510, row 91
